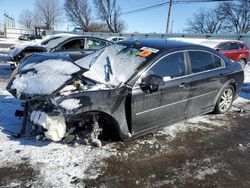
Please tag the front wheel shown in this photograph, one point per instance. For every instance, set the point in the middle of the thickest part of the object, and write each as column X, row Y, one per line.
column 225, row 100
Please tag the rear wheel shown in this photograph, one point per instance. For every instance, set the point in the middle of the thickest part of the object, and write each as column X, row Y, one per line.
column 225, row 100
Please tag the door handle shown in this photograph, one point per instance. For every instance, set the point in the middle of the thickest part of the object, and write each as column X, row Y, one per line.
column 182, row 85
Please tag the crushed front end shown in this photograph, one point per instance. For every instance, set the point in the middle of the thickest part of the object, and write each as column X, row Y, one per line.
column 42, row 90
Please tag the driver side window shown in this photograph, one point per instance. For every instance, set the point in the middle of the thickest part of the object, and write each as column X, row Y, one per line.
column 76, row 44
column 169, row 67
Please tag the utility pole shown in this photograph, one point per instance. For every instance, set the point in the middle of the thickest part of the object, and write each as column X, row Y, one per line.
column 172, row 26
column 169, row 13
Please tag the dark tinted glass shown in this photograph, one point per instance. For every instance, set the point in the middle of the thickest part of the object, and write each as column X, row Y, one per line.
column 241, row 46
column 170, row 66
column 224, row 46
column 202, row 61
column 217, row 61
column 72, row 45
column 234, row 46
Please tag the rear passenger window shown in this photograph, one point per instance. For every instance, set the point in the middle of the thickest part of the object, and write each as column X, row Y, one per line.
column 217, row 62
column 234, row 46
column 224, row 46
column 203, row 61
column 169, row 67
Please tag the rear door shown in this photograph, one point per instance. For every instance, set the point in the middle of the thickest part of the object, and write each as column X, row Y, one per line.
column 169, row 102
column 206, row 72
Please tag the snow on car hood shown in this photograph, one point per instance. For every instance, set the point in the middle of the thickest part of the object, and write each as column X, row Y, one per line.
column 43, row 78
column 17, row 49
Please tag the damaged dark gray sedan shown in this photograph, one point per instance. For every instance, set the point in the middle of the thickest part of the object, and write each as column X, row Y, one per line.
column 123, row 90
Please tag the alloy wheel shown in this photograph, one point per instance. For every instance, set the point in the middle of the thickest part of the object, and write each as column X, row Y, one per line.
column 226, row 100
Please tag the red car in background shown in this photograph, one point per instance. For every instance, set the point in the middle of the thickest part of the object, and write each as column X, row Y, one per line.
column 232, row 49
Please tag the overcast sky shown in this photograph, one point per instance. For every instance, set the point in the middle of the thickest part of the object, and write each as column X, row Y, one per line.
column 152, row 20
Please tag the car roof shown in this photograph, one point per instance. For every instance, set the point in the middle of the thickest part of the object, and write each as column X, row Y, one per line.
column 161, row 44
column 211, row 43
column 214, row 43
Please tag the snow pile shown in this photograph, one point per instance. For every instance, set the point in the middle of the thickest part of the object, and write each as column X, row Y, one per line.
column 55, row 125
column 247, row 74
column 193, row 124
column 67, row 90
column 245, row 90
column 118, row 64
column 45, row 77
column 70, row 104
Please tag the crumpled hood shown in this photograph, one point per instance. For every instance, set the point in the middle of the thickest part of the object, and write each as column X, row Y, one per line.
column 41, row 75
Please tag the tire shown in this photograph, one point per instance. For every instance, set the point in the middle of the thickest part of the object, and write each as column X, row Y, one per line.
column 243, row 63
column 225, row 100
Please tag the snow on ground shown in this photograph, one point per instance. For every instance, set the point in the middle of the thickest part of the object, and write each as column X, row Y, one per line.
column 10, row 41
column 57, row 163
column 4, row 50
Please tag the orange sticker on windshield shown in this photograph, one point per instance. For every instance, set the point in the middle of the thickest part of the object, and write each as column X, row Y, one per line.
column 145, row 53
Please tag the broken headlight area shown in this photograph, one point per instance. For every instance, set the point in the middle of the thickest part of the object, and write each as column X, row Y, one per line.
column 54, row 127
column 47, row 122
column 50, row 116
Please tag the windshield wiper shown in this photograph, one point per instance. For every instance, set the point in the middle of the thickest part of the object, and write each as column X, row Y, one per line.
column 107, row 69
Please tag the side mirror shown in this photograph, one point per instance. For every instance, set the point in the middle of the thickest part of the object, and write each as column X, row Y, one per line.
column 151, row 83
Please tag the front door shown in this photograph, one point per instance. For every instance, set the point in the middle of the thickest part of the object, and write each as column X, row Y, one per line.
column 166, row 104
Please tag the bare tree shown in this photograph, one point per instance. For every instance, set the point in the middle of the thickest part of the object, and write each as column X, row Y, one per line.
column 206, row 22
column 98, row 27
column 48, row 11
column 109, row 12
column 236, row 15
column 78, row 12
column 26, row 18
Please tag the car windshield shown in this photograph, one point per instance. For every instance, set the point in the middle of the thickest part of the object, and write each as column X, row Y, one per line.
column 52, row 43
column 114, row 64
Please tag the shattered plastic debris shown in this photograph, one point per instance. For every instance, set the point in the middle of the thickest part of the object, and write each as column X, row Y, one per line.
column 55, row 125
column 44, row 80
column 70, row 104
